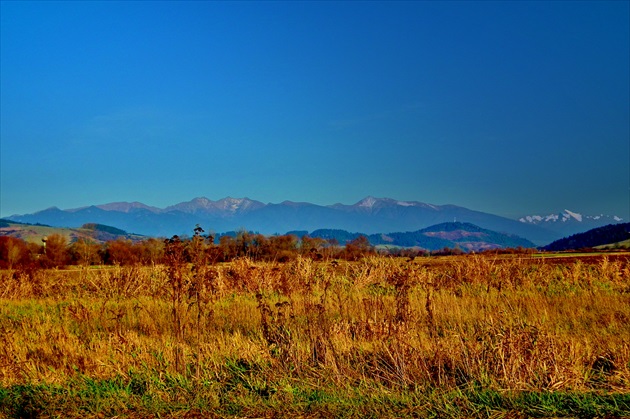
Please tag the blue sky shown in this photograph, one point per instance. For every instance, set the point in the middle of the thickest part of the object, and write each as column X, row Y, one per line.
column 505, row 107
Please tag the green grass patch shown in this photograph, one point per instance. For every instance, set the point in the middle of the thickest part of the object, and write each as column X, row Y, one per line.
column 139, row 396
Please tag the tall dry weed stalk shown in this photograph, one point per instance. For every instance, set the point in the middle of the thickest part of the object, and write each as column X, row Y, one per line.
column 472, row 321
column 193, row 287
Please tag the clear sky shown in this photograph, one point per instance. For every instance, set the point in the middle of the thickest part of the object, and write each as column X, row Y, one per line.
column 507, row 107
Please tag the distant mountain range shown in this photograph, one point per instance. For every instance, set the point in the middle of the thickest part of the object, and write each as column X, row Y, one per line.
column 370, row 216
column 567, row 222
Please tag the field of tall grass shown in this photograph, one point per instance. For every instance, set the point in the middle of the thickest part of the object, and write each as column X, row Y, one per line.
column 463, row 336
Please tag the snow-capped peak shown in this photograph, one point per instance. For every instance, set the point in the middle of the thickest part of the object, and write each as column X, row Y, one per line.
column 126, row 206
column 237, row 204
column 201, row 202
column 230, row 203
column 367, row 202
column 370, row 202
column 573, row 215
column 205, row 205
column 405, row 203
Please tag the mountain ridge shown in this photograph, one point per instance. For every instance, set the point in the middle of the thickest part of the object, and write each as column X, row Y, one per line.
column 567, row 222
column 370, row 215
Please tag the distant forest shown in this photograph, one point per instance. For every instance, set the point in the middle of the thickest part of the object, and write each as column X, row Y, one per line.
column 612, row 233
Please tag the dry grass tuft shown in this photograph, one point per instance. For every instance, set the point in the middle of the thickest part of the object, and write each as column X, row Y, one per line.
column 244, row 333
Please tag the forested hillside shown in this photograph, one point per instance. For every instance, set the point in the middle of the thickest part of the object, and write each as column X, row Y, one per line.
column 613, row 233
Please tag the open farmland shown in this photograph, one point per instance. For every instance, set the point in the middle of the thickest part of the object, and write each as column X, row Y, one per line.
column 459, row 336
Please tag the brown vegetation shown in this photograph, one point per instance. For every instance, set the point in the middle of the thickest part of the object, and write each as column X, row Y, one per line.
column 262, row 334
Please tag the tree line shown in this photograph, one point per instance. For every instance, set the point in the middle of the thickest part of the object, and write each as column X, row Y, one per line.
column 57, row 251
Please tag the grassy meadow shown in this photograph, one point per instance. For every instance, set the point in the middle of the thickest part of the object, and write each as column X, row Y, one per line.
column 461, row 336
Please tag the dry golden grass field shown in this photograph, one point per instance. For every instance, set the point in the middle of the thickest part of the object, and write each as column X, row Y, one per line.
column 463, row 336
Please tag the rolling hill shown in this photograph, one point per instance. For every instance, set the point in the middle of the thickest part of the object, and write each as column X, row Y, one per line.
column 34, row 233
column 465, row 236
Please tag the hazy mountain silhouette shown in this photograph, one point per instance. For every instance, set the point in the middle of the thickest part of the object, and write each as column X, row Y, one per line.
column 370, row 216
